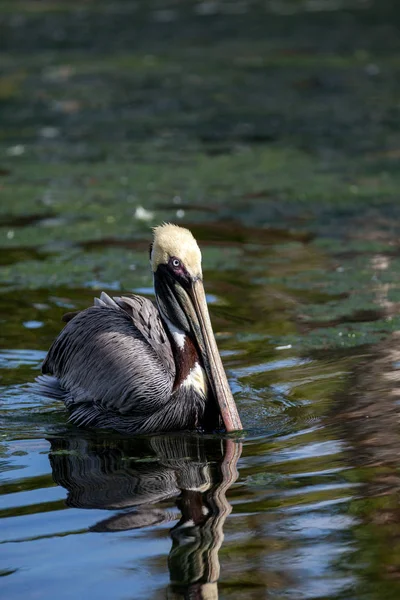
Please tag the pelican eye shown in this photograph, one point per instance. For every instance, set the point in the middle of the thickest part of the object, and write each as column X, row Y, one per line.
column 178, row 271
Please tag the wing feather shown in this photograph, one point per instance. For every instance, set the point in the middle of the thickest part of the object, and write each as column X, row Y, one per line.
column 113, row 358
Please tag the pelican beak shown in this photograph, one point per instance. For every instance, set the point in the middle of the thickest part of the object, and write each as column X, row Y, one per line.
column 204, row 335
column 184, row 303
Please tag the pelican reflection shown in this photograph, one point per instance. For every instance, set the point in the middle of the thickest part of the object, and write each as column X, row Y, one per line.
column 136, row 476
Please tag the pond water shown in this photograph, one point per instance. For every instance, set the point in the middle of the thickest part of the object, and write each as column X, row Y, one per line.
column 225, row 118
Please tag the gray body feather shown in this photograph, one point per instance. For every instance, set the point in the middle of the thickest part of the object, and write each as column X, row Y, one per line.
column 113, row 366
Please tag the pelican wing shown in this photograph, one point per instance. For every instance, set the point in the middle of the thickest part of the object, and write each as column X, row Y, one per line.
column 146, row 318
column 112, row 359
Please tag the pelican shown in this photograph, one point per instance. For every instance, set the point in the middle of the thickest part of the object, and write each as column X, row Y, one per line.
column 136, row 367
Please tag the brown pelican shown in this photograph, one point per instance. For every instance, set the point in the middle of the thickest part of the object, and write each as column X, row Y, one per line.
column 129, row 365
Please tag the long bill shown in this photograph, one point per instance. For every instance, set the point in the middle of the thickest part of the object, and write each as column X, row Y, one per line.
column 212, row 360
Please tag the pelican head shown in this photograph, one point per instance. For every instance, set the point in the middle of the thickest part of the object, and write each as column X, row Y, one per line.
column 178, row 282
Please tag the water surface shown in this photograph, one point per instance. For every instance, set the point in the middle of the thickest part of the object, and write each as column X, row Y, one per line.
column 271, row 130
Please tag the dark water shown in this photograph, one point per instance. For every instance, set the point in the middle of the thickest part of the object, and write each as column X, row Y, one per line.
column 272, row 131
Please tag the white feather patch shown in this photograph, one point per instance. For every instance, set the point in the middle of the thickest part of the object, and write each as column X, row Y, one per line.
column 178, row 335
column 197, row 379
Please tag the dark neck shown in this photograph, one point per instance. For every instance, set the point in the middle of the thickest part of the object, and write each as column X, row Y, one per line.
column 185, row 359
column 207, row 415
column 185, row 353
